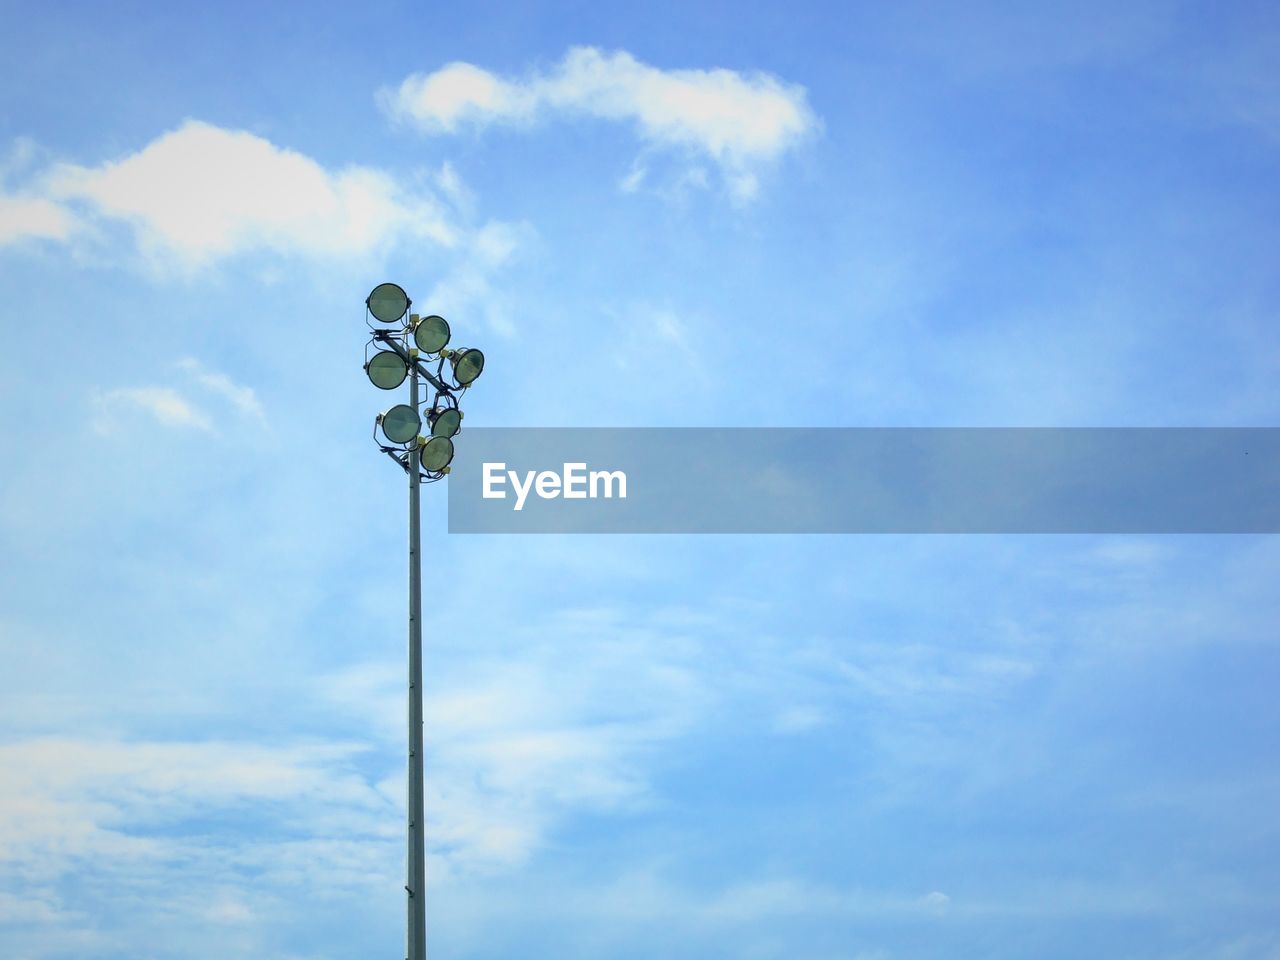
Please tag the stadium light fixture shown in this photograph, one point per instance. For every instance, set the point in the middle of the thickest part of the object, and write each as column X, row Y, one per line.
column 403, row 341
column 388, row 303
column 467, row 366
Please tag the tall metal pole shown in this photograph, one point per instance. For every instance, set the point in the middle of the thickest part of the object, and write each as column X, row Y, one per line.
column 415, row 884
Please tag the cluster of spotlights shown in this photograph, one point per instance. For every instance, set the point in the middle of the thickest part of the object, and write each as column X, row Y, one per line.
column 420, row 342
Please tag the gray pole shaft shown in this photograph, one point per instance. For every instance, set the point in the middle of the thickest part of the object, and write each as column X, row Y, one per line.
column 415, row 884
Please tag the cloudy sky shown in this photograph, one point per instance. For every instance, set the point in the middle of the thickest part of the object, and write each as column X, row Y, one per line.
column 706, row 214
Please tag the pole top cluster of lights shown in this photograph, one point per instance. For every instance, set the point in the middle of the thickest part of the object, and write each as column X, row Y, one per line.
column 405, row 341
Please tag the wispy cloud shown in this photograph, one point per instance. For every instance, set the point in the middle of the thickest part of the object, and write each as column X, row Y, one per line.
column 26, row 213
column 135, row 809
column 172, row 406
column 514, row 753
column 738, row 120
column 468, row 290
column 163, row 404
column 243, row 398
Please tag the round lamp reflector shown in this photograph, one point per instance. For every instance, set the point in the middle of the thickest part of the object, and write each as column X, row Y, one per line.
column 447, row 423
column 388, row 302
column 467, row 365
column 387, row 370
column 401, row 423
column 436, row 454
column 432, row 334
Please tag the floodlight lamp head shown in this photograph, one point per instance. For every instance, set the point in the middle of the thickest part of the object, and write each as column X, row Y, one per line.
column 400, row 424
column 468, row 364
column 431, row 334
column 386, row 370
column 436, row 454
column 388, row 303
column 445, row 421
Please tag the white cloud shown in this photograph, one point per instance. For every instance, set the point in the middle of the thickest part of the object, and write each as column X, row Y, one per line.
column 509, row 757
column 523, row 740
column 164, row 404
column 138, row 823
column 241, row 397
column 634, row 178
column 173, row 407
column 451, row 185
column 202, row 192
column 25, row 216
column 460, row 93
column 26, row 213
column 800, row 719
column 37, row 907
column 73, row 797
column 739, row 120
column 468, row 289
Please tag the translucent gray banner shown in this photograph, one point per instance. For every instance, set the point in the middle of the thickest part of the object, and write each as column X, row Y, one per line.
column 890, row 480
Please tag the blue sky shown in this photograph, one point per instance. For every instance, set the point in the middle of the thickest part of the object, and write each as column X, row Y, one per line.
column 825, row 748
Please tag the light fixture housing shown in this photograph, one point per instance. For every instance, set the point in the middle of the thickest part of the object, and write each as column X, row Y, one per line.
column 388, row 303
column 431, row 334
column 436, row 454
column 468, row 364
column 445, row 422
column 401, row 423
column 386, row 369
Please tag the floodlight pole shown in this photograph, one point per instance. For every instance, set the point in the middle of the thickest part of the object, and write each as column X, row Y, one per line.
column 415, row 882
column 389, row 304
